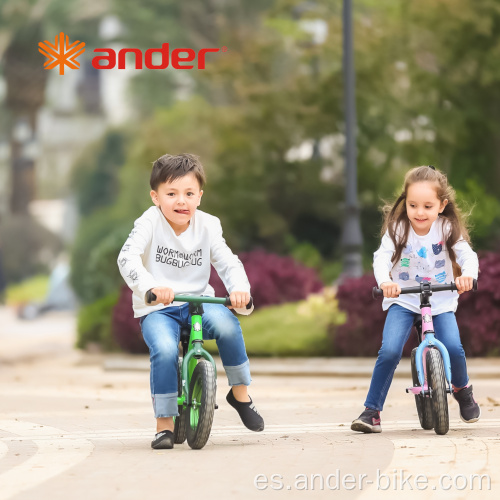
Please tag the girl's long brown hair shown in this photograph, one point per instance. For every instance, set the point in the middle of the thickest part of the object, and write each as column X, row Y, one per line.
column 397, row 223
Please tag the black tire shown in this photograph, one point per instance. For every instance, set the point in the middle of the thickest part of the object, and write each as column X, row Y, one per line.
column 437, row 386
column 424, row 405
column 180, row 421
column 200, row 414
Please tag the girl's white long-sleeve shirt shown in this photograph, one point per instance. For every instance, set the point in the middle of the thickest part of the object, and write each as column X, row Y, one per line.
column 425, row 258
column 155, row 256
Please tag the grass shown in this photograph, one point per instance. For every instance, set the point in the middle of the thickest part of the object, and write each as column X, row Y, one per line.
column 293, row 329
column 30, row 290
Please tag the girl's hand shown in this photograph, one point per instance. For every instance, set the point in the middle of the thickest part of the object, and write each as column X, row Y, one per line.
column 164, row 295
column 391, row 289
column 464, row 284
column 239, row 299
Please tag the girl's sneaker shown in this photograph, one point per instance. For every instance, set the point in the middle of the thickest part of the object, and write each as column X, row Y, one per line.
column 368, row 421
column 469, row 409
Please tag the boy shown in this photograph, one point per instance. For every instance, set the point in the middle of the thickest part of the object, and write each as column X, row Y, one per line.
column 169, row 251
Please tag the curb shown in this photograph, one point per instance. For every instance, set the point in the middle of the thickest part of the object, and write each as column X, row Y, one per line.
column 308, row 367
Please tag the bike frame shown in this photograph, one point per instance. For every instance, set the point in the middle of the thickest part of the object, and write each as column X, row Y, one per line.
column 429, row 341
column 195, row 347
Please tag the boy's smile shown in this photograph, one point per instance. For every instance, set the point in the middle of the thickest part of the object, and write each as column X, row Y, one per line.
column 178, row 201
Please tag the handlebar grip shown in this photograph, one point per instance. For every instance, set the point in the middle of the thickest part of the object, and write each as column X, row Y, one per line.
column 248, row 306
column 150, row 297
column 377, row 292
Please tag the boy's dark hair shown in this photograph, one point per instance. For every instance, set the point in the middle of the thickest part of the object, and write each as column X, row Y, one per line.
column 167, row 168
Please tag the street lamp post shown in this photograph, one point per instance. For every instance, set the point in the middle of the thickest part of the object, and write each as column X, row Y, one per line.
column 352, row 238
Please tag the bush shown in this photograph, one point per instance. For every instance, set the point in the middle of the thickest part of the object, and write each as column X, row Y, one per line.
column 274, row 279
column 361, row 335
column 94, row 271
column 293, row 329
column 94, row 323
column 125, row 328
column 478, row 316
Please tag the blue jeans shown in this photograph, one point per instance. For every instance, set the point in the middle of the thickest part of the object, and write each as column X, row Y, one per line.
column 161, row 332
column 397, row 328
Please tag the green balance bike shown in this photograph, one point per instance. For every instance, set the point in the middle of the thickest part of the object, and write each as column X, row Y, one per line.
column 197, row 376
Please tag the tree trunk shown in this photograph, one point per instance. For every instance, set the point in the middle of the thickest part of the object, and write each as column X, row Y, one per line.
column 26, row 80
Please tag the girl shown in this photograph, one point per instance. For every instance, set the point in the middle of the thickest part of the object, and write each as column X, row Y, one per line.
column 424, row 238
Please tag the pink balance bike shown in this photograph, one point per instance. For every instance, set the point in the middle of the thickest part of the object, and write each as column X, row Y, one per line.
column 430, row 362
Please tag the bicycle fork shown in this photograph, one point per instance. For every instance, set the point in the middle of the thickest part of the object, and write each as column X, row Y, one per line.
column 429, row 341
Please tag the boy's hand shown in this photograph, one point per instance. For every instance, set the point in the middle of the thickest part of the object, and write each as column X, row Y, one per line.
column 391, row 289
column 164, row 295
column 464, row 284
column 239, row 299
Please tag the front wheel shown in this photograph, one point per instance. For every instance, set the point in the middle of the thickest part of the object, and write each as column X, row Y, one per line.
column 424, row 405
column 201, row 407
column 437, row 386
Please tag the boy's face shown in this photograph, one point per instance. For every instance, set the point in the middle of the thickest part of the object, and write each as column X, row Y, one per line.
column 178, row 200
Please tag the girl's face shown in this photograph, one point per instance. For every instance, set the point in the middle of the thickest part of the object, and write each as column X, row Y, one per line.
column 423, row 206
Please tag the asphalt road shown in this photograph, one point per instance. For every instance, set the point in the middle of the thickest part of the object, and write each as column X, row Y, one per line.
column 71, row 430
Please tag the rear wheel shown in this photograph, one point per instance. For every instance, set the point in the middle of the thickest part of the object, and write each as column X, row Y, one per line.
column 424, row 405
column 437, row 386
column 180, row 420
column 201, row 407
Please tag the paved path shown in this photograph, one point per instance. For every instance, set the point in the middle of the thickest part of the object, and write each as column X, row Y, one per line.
column 69, row 429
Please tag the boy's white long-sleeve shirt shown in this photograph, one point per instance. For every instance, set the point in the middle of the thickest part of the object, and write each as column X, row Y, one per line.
column 155, row 256
column 424, row 258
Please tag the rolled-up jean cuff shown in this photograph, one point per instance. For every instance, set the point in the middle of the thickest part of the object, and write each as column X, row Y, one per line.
column 165, row 405
column 238, row 375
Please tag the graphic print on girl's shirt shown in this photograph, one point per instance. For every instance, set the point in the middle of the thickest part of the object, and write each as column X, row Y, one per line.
column 422, row 253
column 437, row 248
column 440, row 263
column 407, row 249
column 440, row 277
column 419, row 279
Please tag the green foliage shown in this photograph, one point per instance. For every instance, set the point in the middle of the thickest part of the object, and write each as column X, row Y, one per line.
column 484, row 212
column 30, row 290
column 294, row 329
column 95, row 174
column 94, row 323
column 94, row 271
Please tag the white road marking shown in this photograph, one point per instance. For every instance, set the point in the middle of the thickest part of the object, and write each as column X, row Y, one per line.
column 46, row 463
column 45, row 433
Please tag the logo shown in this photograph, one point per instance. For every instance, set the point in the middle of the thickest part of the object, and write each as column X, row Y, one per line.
column 61, row 53
column 179, row 58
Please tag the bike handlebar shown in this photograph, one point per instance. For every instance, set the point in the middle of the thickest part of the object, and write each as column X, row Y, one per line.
column 378, row 292
column 226, row 301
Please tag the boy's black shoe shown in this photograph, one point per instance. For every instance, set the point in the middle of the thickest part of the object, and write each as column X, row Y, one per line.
column 164, row 440
column 368, row 421
column 247, row 411
column 469, row 409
